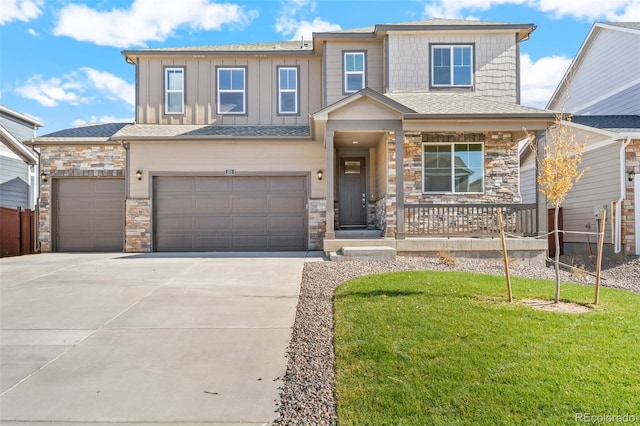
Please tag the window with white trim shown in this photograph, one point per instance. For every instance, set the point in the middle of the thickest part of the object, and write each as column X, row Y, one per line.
column 287, row 90
column 231, row 91
column 453, row 167
column 451, row 66
column 174, row 90
column 354, row 71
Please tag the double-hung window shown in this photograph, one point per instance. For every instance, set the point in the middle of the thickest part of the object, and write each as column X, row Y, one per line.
column 354, row 71
column 452, row 66
column 174, row 90
column 287, row 90
column 231, row 91
column 453, row 167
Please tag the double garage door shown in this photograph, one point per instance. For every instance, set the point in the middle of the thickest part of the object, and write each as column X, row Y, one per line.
column 230, row 213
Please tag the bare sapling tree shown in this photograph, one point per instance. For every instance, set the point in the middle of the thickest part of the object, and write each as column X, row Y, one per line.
column 558, row 171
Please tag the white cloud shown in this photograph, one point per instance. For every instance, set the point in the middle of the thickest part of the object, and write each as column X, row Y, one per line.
column 76, row 88
column 33, row 32
column 453, row 9
column 539, row 79
column 21, row 10
column 293, row 24
column 104, row 119
column 304, row 29
column 53, row 91
column 112, row 85
column 611, row 10
column 146, row 20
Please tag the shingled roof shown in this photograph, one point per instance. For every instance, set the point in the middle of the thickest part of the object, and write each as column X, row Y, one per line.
column 160, row 131
column 615, row 123
column 89, row 133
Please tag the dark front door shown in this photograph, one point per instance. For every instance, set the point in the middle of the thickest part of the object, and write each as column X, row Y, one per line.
column 352, row 200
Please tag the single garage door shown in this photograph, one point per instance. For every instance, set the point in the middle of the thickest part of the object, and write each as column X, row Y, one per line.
column 88, row 214
column 230, row 213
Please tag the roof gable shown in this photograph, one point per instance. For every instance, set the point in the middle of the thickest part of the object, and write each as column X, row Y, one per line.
column 585, row 50
column 362, row 102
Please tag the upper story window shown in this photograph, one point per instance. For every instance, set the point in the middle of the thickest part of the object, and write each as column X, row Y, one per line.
column 453, row 167
column 287, row 90
column 174, row 90
column 231, row 91
column 354, row 71
column 452, row 66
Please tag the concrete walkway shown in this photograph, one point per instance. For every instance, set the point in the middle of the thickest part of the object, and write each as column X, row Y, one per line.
column 156, row 338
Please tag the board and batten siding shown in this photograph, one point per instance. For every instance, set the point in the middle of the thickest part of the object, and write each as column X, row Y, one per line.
column 374, row 67
column 611, row 62
column 598, row 187
column 200, row 90
column 495, row 58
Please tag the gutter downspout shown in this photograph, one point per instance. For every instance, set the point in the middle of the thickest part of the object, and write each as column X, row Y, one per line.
column 623, row 193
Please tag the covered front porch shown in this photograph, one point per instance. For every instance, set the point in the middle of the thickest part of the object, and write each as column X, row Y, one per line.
column 386, row 190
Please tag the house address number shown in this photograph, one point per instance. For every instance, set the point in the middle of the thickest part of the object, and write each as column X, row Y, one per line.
column 229, row 172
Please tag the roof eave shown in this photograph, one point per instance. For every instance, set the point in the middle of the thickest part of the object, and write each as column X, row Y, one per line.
column 22, row 117
column 207, row 137
column 484, row 117
column 18, row 148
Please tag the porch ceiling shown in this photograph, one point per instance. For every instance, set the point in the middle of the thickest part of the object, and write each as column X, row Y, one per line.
column 364, row 139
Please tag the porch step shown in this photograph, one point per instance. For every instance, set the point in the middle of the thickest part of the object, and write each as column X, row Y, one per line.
column 357, row 233
column 366, row 253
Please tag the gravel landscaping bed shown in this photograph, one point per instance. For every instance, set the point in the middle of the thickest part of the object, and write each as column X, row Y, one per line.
column 307, row 393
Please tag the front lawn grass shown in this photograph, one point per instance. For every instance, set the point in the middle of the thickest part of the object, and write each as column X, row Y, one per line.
column 447, row 348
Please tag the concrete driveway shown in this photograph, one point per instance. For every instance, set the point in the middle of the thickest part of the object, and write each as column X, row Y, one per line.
column 155, row 338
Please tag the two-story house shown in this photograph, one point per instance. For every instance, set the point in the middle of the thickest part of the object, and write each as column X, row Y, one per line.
column 601, row 91
column 283, row 146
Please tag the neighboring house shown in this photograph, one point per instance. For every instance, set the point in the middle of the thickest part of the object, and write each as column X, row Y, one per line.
column 18, row 163
column 601, row 90
column 285, row 145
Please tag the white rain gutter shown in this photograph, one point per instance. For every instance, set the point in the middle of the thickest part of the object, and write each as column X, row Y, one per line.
column 623, row 192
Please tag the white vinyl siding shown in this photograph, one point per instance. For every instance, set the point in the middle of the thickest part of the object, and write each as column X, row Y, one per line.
column 174, row 91
column 232, row 85
column 453, row 168
column 451, row 66
column 354, row 71
column 287, row 90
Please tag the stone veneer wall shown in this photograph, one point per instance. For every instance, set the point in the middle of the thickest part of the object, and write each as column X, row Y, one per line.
column 138, row 225
column 74, row 161
column 317, row 223
column 501, row 171
column 629, row 227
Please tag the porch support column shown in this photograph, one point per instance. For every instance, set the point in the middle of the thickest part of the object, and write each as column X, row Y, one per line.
column 400, row 232
column 328, row 143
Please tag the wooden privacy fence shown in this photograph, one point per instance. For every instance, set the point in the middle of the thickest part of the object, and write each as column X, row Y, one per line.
column 469, row 220
column 17, row 232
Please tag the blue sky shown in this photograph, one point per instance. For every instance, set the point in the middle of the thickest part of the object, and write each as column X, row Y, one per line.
column 60, row 60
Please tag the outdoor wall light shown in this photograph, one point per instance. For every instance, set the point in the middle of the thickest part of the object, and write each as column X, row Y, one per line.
column 44, row 177
column 139, row 174
column 632, row 175
column 320, row 174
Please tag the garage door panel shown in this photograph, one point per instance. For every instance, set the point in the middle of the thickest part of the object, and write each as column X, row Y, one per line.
column 89, row 214
column 248, row 205
column 230, row 214
column 217, row 224
column 287, row 184
column 177, row 185
column 287, row 204
column 213, row 203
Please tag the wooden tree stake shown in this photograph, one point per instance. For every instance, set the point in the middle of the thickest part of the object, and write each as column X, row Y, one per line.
column 505, row 258
column 599, row 261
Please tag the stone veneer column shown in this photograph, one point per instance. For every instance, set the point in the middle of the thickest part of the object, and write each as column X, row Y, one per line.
column 629, row 227
column 317, row 223
column 138, row 225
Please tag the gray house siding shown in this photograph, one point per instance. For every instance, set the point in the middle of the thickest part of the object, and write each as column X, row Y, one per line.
column 16, row 127
column 599, row 186
column 14, row 183
column 625, row 102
